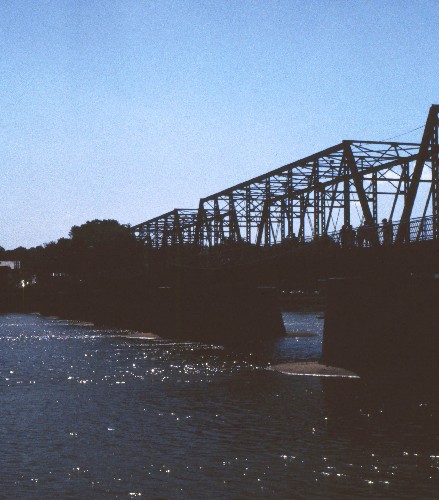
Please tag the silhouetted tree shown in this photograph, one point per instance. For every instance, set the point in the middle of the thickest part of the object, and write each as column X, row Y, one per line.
column 95, row 248
column 103, row 246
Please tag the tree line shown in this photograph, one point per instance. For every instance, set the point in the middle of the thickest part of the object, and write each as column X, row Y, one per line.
column 96, row 248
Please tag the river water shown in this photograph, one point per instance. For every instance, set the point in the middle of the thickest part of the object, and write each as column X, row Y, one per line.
column 86, row 413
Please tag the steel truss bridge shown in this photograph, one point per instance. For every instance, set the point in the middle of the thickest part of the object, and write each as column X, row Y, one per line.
column 311, row 199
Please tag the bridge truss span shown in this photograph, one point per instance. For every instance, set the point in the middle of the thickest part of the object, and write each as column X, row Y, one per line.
column 350, row 183
column 309, row 197
column 173, row 228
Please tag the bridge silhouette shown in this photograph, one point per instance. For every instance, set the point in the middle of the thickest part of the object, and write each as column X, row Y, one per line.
column 354, row 183
column 357, row 222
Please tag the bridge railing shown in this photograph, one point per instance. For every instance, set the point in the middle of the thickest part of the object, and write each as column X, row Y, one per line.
column 415, row 230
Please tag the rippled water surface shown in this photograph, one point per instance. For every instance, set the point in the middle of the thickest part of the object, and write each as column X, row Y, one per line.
column 87, row 413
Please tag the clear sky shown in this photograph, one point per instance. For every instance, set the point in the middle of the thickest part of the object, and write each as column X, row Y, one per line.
column 127, row 109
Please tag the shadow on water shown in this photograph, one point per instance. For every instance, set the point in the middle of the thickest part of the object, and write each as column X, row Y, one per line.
column 382, row 412
column 303, row 341
column 377, row 411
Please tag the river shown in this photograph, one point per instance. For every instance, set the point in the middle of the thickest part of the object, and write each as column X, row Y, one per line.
column 88, row 413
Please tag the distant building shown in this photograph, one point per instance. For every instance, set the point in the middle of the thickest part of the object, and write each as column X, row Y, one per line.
column 12, row 264
column 59, row 275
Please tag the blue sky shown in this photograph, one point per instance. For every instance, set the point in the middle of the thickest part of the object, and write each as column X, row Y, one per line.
column 127, row 109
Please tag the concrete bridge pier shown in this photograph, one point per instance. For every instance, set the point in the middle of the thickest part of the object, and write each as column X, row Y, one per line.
column 383, row 326
column 216, row 312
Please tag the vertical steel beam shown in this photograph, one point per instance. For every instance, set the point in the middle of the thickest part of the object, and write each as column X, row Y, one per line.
column 323, row 211
column 268, row 213
column 248, row 219
column 347, row 200
column 232, row 219
column 303, row 206
column 435, row 178
column 164, row 232
column 375, row 196
column 218, row 230
column 199, row 227
column 289, row 203
column 262, row 224
column 178, row 233
column 234, row 229
column 315, row 175
column 331, row 207
column 156, row 234
column 283, row 218
column 405, row 180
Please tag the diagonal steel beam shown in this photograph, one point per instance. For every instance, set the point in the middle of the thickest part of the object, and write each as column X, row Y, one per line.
column 423, row 156
column 358, row 182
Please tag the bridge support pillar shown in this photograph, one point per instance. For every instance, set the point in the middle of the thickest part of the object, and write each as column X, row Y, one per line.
column 217, row 312
column 383, row 327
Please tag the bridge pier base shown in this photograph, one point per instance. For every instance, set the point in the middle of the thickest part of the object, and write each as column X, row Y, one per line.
column 217, row 312
column 383, row 327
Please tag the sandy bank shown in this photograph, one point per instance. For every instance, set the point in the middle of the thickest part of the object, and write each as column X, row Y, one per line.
column 312, row 369
column 142, row 335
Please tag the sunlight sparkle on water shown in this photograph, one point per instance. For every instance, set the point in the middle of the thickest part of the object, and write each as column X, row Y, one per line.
column 109, row 414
